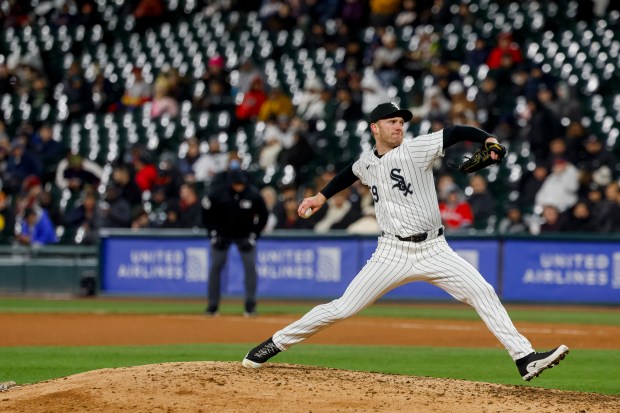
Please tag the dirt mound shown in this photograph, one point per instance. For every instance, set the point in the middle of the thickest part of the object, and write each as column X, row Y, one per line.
column 227, row 387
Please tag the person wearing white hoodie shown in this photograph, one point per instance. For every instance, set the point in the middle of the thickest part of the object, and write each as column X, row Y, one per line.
column 559, row 188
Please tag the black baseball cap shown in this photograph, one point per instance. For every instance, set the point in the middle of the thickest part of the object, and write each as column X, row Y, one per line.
column 389, row 110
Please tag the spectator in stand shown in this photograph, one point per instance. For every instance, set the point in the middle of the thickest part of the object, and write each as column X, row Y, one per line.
column 269, row 11
column 48, row 150
column 311, row 106
column 420, row 61
column 138, row 92
column 373, row 93
column 8, row 80
column 20, row 164
column 278, row 104
column 513, row 222
column 215, row 99
column 171, row 219
column 247, row 111
column 86, row 217
column 48, row 201
column 145, row 172
column 106, row 94
column 558, row 149
column 487, row 101
column 282, row 20
column 288, row 217
column 129, row 190
column 387, row 58
column 115, row 210
column 455, row 211
column 270, row 148
column 209, row 164
column 169, row 178
column 79, row 93
column 510, row 78
column 75, row 172
column 35, row 228
column 140, row 219
column 607, row 211
column 347, row 40
column 530, row 185
column 339, row 215
column 566, row 105
column 149, row 13
column 579, row 219
column 163, row 103
column 28, row 196
column 539, row 84
column 551, row 220
column 560, row 188
column 345, row 107
column 270, row 196
column 434, row 106
column 354, row 13
column 482, row 202
column 190, row 210
column 216, row 70
column 366, row 224
column 246, row 73
column 7, row 219
column 576, row 134
column 278, row 135
column 478, row 55
column 189, row 152
column 383, row 12
column 462, row 108
column 613, row 225
column 597, row 157
column 505, row 46
column 542, row 128
column 317, row 38
column 299, row 154
column 408, row 15
column 39, row 95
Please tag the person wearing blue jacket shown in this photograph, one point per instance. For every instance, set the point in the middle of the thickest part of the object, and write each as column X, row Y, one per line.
column 36, row 228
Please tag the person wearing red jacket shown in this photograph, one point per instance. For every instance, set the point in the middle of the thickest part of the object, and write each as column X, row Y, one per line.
column 505, row 44
column 145, row 173
column 456, row 213
column 253, row 100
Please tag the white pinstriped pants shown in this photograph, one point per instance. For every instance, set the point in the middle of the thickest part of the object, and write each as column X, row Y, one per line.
column 395, row 263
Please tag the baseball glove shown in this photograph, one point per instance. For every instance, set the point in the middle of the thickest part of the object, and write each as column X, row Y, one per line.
column 482, row 158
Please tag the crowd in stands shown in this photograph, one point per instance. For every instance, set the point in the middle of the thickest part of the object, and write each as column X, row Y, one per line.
column 49, row 190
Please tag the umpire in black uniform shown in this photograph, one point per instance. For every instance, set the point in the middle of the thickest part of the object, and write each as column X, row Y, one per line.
column 234, row 212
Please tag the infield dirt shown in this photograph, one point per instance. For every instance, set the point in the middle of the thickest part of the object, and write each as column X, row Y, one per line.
column 227, row 387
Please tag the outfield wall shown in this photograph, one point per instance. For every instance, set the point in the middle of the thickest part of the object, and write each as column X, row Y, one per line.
column 527, row 269
column 304, row 265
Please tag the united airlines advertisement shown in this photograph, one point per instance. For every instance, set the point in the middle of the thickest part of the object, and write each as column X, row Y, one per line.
column 562, row 271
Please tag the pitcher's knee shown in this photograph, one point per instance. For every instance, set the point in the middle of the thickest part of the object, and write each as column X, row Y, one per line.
column 337, row 311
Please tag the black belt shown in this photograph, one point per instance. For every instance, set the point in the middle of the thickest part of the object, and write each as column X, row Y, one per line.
column 418, row 237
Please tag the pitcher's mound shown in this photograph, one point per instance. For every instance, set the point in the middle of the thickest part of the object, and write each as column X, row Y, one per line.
column 228, row 387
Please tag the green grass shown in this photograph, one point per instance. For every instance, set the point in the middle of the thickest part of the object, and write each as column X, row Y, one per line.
column 586, row 371
column 193, row 306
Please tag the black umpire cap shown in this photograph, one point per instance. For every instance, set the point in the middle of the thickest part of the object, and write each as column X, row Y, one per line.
column 389, row 110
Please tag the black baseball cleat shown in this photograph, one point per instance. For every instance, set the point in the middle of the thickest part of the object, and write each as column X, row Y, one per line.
column 533, row 364
column 260, row 354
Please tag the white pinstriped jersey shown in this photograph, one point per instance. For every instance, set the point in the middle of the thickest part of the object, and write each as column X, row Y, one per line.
column 403, row 186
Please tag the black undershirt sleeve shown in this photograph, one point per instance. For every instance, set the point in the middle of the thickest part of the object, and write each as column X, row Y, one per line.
column 343, row 180
column 460, row 133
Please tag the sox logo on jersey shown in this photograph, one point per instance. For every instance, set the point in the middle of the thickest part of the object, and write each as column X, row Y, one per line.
column 401, row 184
